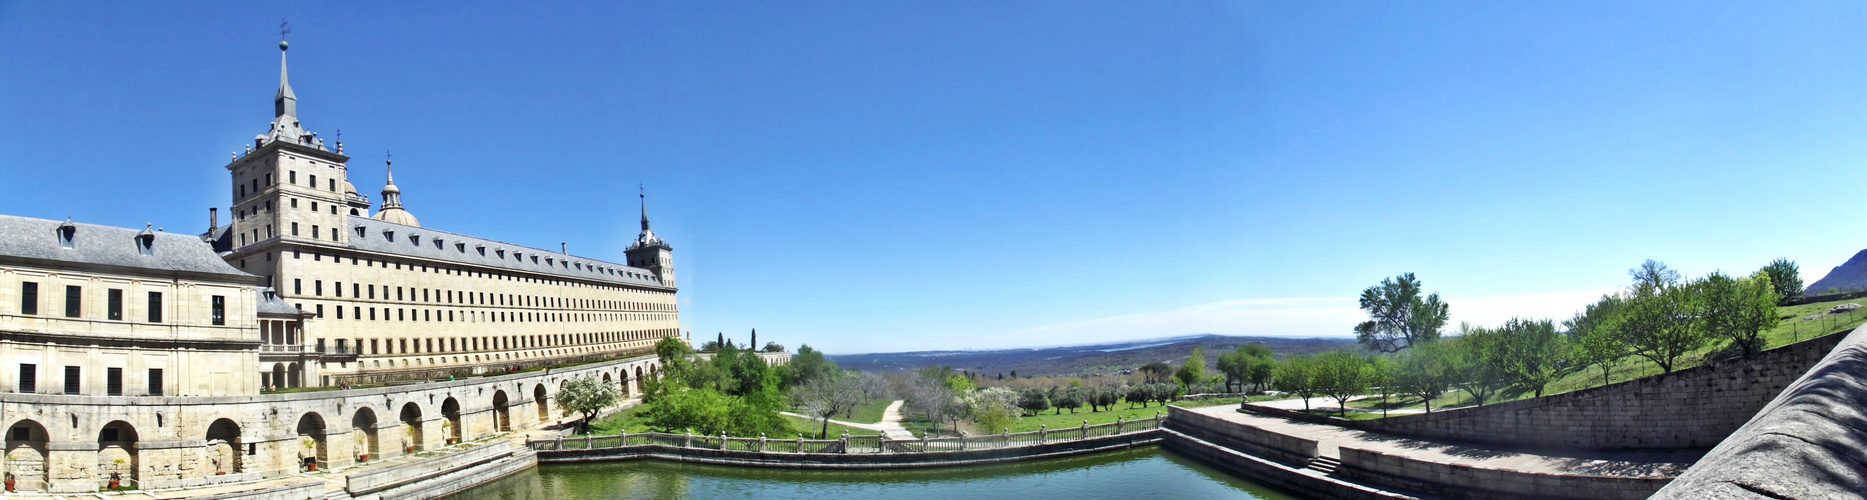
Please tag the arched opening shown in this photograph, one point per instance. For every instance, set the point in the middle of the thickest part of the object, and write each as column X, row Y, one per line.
column 311, row 448
column 623, row 384
column 291, row 375
column 502, row 413
column 450, row 420
column 363, row 434
column 277, row 381
column 25, row 451
column 638, row 378
column 607, row 380
column 223, row 448
column 116, row 453
column 411, row 428
column 538, row 399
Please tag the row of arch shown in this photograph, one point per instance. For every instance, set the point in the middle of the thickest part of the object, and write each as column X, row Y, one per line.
column 226, row 451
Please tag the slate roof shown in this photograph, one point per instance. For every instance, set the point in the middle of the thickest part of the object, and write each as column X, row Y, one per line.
column 271, row 304
column 420, row 242
column 38, row 239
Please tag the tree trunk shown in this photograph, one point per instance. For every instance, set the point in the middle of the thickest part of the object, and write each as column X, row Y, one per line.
column 826, row 429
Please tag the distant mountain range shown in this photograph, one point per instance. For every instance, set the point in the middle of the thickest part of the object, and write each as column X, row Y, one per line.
column 1850, row 275
column 1084, row 360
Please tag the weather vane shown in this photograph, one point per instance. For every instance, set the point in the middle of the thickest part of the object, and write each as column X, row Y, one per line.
column 282, row 29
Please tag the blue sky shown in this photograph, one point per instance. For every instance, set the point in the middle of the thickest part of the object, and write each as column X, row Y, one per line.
column 881, row 176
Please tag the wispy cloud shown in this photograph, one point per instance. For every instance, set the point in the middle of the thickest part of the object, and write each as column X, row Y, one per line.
column 1292, row 317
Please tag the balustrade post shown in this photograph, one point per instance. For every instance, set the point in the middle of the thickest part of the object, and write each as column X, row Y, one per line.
column 622, row 440
column 559, row 445
column 722, row 440
column 1006, row 437
column 800, row 443
column 761, row 442
column 845, row 442
column 688, row 442
column 1041, row 431
column 962, row 440
column 587, row 438
column 1157, row 420
column 1085, row 429
column 1118, row 424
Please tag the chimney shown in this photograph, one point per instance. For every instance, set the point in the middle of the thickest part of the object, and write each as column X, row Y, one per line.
column 564, row 248
column 213, row 219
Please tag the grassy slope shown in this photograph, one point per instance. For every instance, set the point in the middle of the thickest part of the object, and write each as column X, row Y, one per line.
column 1789, row 331
column 630, row 420
column 870, row 413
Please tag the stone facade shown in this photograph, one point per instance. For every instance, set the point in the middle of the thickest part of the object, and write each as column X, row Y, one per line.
column 390, row 300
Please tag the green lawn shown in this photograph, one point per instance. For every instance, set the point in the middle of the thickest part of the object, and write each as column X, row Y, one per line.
column 870, row 413
column 1066, row 419
column 810, row 427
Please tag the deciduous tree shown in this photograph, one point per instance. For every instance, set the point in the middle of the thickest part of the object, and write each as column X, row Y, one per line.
column 1785, row 278
column 1400, row 315
column 1340, row 375
column 586, row 395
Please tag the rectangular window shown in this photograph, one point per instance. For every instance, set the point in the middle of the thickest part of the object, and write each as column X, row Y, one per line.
column 155, row 307
column 294, row 202
column 74, row 300
column 113, row 382
column 314, row 206
column 372, row 289
column 332, row 183
column 293, row 176
column 372, row 314
column 314, row 182
column 398, row 293
column 73, row 381
column 155, row 381
column 28, row 378
column 340, row 312
column 320, row 310
column 294, row 229
column 314, row 231
column 298, row 286
column 317, row 288
column 220, row 310
column 113, row 302
column 354, row 288
column 373, row 345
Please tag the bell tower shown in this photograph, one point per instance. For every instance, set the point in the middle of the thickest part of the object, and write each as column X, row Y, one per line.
column 649, row 252
column 287, row 187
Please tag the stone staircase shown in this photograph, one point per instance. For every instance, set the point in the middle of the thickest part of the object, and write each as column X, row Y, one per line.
column 1325, row 465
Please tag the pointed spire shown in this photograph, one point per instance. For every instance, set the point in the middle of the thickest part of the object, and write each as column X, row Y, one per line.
column 285, row 103
column 644, row 210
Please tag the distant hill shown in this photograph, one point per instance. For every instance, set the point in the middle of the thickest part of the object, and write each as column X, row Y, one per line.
column 1100, row 359
column 1850, row 275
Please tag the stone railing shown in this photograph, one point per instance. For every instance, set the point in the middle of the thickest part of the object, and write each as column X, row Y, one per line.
column 851, row 444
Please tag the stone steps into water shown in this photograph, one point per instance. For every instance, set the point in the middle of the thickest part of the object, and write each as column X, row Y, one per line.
column 1325, row 465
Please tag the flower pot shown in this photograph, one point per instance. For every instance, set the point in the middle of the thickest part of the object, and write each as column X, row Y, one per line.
column 364, row 458
column 311, row 467
column 220, row 473
column 114, row 484
column 410, row 450
column 9, row 486
column 453, row 441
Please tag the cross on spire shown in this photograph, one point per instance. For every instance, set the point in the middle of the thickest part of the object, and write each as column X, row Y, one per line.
column 282, row 29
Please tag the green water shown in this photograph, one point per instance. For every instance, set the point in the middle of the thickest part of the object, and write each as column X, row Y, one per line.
column 1141, row 473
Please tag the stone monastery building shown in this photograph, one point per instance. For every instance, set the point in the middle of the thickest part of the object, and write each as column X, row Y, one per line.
column 387, row 299
column 158, row 359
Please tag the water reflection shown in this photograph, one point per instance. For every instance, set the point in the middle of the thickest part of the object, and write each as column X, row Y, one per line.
column 1146, row 472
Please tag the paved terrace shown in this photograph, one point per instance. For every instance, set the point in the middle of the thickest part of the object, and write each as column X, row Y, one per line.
column 1330, row 439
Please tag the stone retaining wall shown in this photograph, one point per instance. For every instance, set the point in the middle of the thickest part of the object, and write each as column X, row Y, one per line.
column 1809, row 442
column 1287, row 449
column 1462, row 481
column 1268, row 471
column 1691, row 408
column 855, row 460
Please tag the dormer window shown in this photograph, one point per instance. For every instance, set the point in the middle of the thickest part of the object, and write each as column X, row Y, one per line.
column 462, row 247
column 501, row 252
column 146, row 243
column 66, row 233
column 518, row 256
column 414, row 239
column 534, row 259
column 362, row 231
column 388, row 234
column 437, row 243
column 481, row 249
column 549, row 261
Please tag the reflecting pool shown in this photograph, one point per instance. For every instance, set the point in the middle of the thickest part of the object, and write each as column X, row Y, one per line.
column 1147, row 473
